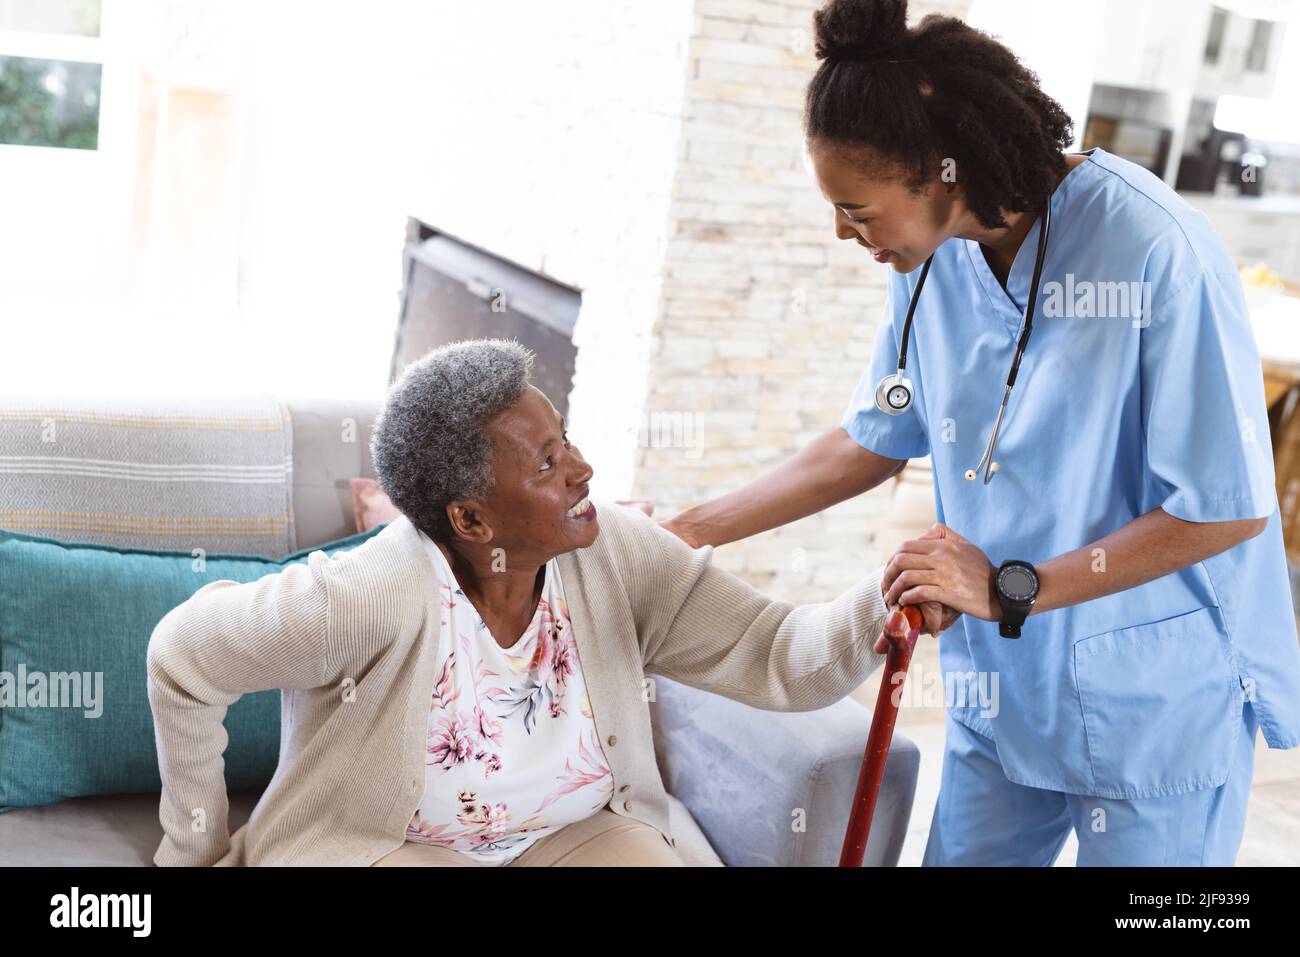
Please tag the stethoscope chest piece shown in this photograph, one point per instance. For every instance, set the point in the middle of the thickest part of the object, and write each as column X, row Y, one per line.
column 894, row 394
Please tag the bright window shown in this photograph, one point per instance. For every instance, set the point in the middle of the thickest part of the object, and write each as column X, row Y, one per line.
column 51, row 73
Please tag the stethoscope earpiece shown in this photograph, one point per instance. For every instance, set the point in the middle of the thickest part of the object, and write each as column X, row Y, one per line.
column 971, row 473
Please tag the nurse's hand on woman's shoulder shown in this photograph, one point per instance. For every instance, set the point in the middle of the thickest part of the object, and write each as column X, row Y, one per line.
column 942, row 567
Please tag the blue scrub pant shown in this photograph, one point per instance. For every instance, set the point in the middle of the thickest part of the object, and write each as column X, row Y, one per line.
column 984, row 820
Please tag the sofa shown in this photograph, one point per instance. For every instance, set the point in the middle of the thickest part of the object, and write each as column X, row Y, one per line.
column 737, row 777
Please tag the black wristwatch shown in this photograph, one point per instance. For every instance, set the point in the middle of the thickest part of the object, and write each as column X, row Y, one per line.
column 1017, row 587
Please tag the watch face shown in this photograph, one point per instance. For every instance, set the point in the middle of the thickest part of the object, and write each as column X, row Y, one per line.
column 1017, row 583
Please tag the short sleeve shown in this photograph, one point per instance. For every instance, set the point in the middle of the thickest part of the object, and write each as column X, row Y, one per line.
column 892, row 436
column 1203, row 413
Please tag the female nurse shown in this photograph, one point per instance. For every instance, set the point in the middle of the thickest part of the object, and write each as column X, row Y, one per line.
column 1133, row 488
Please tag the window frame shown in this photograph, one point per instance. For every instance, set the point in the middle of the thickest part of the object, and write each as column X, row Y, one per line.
column 68, row 47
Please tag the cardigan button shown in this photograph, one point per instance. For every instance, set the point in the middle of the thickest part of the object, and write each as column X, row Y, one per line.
column 625, row 787
column 627, row 805
column 613, row 740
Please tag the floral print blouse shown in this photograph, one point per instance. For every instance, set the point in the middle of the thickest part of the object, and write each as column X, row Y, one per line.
column 513, row 753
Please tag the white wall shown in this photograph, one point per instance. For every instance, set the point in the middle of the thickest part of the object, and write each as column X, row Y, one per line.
column 1058, row 41
column 253, row 244
column 555, row 142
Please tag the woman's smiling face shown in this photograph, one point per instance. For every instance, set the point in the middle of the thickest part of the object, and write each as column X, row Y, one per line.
column 894, row 223
column 540, row 476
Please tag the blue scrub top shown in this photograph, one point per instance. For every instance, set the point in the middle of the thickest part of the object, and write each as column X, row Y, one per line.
column 1141, row 387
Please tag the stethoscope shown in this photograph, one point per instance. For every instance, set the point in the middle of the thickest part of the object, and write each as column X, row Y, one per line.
column 895, row 392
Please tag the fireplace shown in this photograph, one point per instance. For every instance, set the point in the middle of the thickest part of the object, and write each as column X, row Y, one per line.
column 453, row 290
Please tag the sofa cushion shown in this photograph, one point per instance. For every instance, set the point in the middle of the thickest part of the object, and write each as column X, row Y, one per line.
column 119, row 830
column 744, row 773
column 124, row 831
column 75, row 622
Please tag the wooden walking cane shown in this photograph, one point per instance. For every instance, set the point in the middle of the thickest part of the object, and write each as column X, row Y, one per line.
column 902, row 629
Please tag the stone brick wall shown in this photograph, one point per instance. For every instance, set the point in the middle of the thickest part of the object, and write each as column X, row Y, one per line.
column 767, row 319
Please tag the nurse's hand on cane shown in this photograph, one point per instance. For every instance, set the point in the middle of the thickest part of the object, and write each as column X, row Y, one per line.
column 941, row 566
column 936, row 616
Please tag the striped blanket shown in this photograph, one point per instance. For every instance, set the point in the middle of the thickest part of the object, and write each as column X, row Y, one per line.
column 180, row 474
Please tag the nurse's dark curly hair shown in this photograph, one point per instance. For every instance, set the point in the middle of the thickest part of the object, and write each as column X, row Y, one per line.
column 941, row 90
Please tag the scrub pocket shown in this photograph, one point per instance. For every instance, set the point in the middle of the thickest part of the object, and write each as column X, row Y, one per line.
column 1161, row 705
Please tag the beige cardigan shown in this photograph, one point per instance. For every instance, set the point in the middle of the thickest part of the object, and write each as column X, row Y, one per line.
column 352, row 641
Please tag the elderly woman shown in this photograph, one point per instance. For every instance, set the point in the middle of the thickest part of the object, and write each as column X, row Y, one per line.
column 469, row 686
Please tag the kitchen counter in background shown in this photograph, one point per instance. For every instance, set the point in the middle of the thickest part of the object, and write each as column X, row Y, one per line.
column 1277, row 330
column 1256, row 229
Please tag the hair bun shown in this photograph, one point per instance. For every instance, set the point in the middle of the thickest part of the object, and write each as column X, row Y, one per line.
column 859, row 28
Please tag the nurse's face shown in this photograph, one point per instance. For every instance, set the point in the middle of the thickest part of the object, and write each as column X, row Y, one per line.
column 876, row 207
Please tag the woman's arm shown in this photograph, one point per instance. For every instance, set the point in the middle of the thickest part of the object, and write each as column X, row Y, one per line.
column 227, row 640
column 825, row 472
column 954, row 571
column 704, row 627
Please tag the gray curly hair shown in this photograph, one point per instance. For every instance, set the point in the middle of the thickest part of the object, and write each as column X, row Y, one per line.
column 430, row 445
